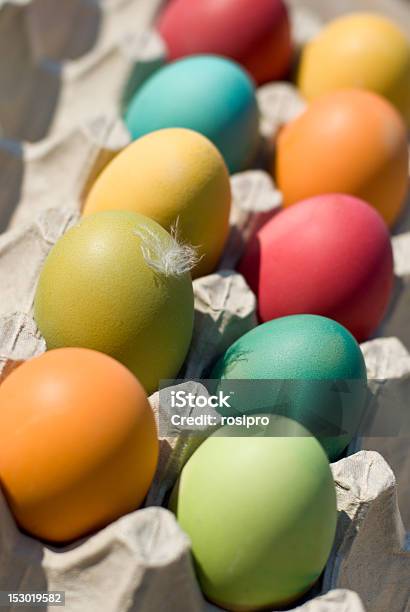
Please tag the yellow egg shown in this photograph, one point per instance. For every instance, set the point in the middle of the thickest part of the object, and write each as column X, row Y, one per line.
column 174, row 176
column 361, row 50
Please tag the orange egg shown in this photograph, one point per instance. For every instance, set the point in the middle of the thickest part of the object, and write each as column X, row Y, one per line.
column 352, row 142
column 78, row 443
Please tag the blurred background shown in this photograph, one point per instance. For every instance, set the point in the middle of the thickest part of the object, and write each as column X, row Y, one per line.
column 63, row 62
column 40, row 40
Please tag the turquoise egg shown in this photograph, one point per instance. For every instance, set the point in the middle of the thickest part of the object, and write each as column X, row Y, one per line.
column 205, row 93
column 305, row 367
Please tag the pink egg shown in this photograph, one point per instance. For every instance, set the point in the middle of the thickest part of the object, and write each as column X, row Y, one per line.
column 254, row 33
column 329, row 255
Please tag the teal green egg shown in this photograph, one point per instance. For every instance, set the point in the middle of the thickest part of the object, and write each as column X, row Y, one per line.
column 209, row 94
column 306, row 367
column 260, row 513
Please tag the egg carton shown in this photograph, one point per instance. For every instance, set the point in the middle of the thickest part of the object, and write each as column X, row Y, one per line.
column 153, row 554
column 224, row 311
column 72, row 102
column 47, row 183
column 370, row 557
column 398, row 10
column 143, row 559
column 74, row 59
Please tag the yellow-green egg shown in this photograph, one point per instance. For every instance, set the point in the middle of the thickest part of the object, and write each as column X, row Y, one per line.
column 118, row 283
column 178, row 178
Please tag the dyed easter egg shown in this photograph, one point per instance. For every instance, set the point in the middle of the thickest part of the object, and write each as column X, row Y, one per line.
column 255, row 34
column 78, row 445
column 178, row 178
column 315, row 371
column 350, row 142
column 206, row 93
column 329, row 255
column 118, row 283
column 359, row 50
column 260, row 513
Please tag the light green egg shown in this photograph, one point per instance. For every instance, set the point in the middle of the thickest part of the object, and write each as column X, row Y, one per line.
column 260, row 513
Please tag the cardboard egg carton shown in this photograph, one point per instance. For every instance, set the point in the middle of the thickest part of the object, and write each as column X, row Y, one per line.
column 149, row 546
column 225, row 310
column 398, row 10
column 74, row 60
column 80, row 84
column 78, row 63
column 143, row 559
column 396, row 322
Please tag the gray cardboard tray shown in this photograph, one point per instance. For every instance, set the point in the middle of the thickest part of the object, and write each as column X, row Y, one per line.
column 78, row 63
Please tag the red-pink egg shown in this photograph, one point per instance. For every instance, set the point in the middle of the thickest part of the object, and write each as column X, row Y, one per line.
column 255, row 34
column 329, row 255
